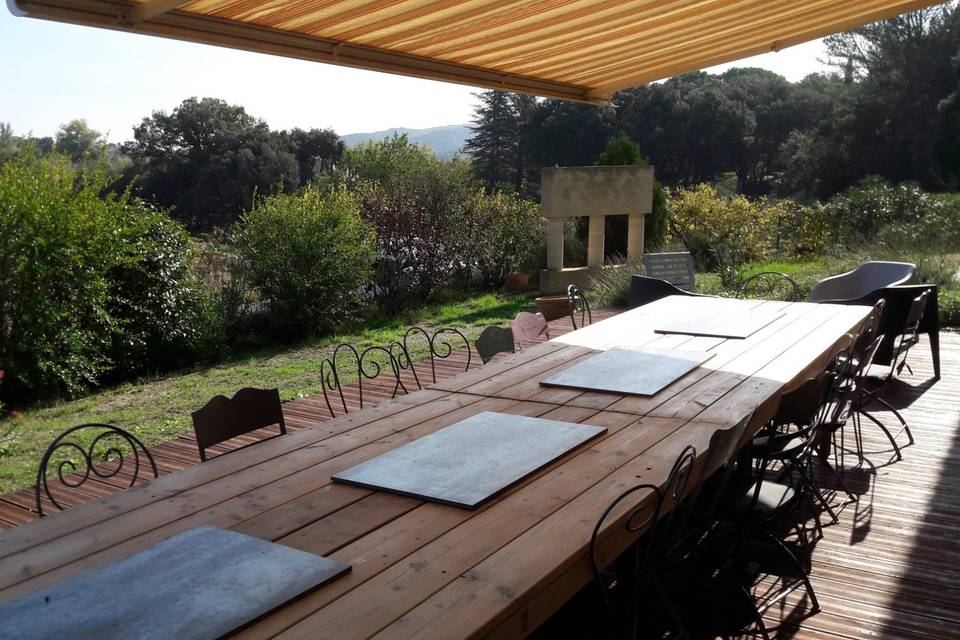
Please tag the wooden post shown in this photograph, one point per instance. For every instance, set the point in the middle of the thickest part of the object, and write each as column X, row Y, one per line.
column 635, row 235
column 595, row 242
column 555, row 243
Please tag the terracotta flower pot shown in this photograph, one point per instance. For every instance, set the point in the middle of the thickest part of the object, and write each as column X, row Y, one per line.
column 516, row 281
column 553, row 307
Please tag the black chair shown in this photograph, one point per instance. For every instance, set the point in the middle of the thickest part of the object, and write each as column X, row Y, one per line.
column 366, row 365
column 441, row 344
column 789, row 438
column 224, row 418
column 494, row 340
column 76, row 460
column 899, row 300
column 671, row 522
column 637, row 569
column 874, row 379
column 644, row 290
column 579, row 306
column 770, row 285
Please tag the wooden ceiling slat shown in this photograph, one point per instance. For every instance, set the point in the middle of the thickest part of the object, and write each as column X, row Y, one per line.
column 605, row 87
column 663, row 42
column 569, row 49
column 714, row 43
column 418, row 20
column 603, row 34
column 464, row 22
column 548, row 30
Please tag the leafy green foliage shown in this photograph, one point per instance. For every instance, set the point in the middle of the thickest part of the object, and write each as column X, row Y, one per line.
column 207, row 159
column 621, row 150
column 435, row 228
column 90, row 286
column 509, row 231
column 309, row 255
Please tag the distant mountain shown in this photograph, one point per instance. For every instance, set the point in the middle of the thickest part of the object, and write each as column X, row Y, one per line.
column 443, row 141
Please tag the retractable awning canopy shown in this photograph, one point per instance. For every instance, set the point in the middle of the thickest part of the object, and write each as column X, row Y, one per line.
column 573, row 49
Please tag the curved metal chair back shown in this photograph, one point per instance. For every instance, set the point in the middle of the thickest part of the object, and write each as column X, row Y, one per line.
column 442, row 344
column 529, row 327
column 641, row 519
column 223, row 418
column 115, row 446
column 644, row 290
column 909, row 336
column 770, row 285
column 870, row 328
column 366, row 365
column 494, row 340
column 579, row 306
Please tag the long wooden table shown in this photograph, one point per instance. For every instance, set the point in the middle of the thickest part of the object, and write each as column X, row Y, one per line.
column 427, row 570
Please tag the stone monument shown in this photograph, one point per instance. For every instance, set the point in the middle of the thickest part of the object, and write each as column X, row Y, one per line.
column 595, row 192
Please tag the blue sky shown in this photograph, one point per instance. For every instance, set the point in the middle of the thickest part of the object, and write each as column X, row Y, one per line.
column 53, row 72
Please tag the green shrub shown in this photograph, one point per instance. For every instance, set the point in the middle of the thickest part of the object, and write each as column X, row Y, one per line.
column 949, row 301
column 900, row 215
column 91, row 286
column 508, row 230
column 435, row 229
column 309, row 254
column 721, row 232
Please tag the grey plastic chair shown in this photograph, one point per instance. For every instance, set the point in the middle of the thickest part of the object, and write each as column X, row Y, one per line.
column 868, row 277
column 494, row 340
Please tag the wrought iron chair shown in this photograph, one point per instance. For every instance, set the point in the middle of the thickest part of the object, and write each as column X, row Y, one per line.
column 874, row 379
column 637, row 567
column 366, row 365
column 494, row 340
column 770, row 285
column 579, row 306
column 439, row 345
column 115, row 447
column 529, row 327
column 791, row 435
column 224, row 418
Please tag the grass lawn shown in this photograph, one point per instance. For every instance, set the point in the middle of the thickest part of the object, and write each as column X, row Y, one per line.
column 158, row 409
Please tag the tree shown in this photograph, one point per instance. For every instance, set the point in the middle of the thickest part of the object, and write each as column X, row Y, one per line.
column 208, row 159
column 317, row 150
column 80, row 143
column 621, row 150
column 769, row 99
column 906, row 71
column 494, row 145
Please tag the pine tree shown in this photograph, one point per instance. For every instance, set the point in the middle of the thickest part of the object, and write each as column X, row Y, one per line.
column 494, row 144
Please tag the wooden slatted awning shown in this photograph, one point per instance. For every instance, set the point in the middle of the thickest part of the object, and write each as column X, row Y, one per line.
column 572, row 49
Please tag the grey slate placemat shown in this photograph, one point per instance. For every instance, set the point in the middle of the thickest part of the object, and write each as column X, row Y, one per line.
column 197, row 585
column 640, row 372
column 470, row 461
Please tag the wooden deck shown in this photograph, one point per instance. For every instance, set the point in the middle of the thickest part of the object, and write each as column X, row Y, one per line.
column 889, row 569
column 19, row 507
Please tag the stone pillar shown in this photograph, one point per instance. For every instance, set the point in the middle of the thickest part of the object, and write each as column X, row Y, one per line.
column 635, row 235
column 595, row 243
column 555, row 243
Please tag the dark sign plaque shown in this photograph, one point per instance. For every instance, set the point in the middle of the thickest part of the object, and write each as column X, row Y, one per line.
column 674, row 267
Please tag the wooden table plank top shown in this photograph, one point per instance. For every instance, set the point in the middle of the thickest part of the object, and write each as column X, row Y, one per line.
column 426, row 569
